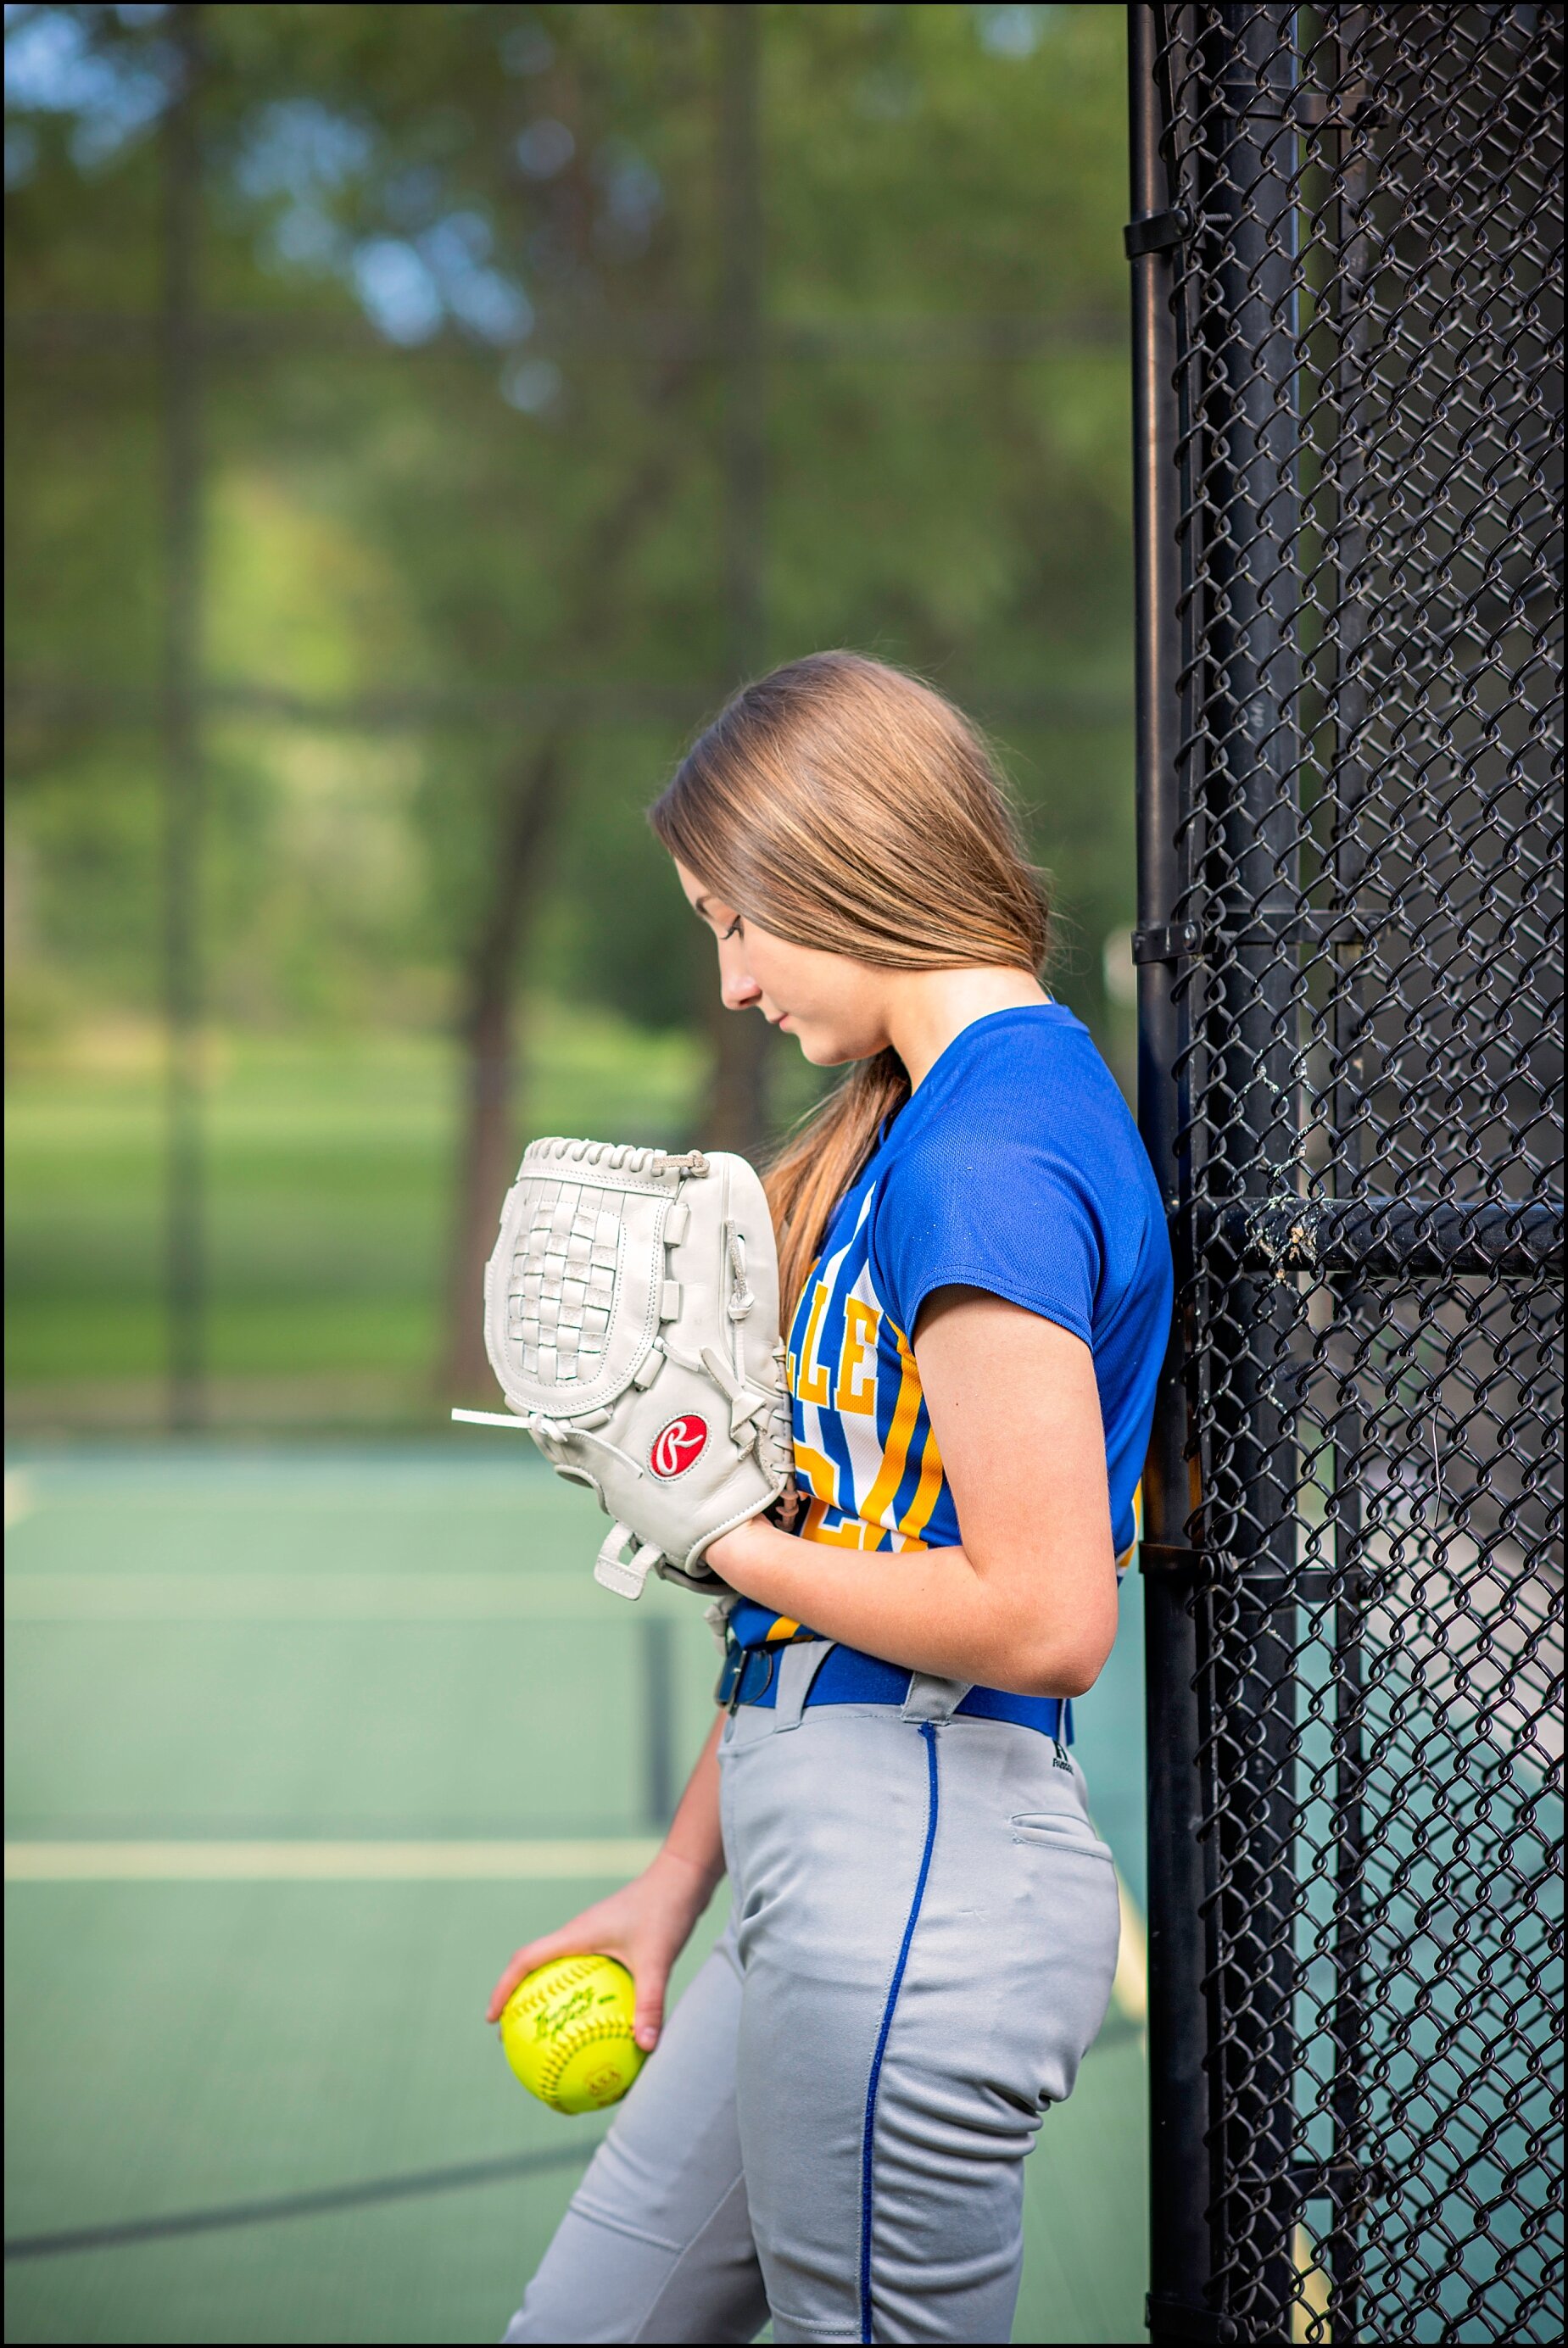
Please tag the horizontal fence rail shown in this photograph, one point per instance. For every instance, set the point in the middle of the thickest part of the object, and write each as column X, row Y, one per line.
column 1344, row 250
column 1388, row 1238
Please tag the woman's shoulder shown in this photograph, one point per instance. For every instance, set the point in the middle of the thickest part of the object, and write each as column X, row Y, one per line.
column 1025, row 1085
column 1016, row 1168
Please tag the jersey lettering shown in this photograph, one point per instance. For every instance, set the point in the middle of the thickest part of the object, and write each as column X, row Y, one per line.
column 815, row 1385
column 858, row 1359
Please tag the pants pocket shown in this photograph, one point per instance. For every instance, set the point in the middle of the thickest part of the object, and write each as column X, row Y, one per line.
column 1060, row 1830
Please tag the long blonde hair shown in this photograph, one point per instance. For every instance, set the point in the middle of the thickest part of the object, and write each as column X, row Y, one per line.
column 841, row 804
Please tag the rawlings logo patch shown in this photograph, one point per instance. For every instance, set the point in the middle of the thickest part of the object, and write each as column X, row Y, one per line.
column 678, row 1446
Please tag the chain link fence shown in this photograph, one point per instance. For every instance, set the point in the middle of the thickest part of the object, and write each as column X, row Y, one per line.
column 1345, row 250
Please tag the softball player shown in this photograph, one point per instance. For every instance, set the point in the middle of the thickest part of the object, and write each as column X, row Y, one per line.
column 924, row 1924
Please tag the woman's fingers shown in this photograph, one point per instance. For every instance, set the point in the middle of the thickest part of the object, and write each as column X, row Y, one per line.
column 644, row 1926
column 523, row 1963
column 528, row 1959
column 650, row 1978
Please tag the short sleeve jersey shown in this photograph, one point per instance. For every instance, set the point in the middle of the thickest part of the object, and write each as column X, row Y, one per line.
column 1014, row 1168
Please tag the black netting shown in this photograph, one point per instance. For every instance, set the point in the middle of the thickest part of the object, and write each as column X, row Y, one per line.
column 1368, row 435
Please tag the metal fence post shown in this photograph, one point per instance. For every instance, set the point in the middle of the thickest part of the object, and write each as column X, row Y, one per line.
column 1350, row 820
column 1253, row 601
column 1180, row 2187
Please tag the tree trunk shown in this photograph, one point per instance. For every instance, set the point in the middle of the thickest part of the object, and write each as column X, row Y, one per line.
column 486, row 1160
column 737, row 1114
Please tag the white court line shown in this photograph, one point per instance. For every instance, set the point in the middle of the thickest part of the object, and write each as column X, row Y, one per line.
column 551, row 1861
column 391, row 1491
column 325, row 1862
column 317, row 1598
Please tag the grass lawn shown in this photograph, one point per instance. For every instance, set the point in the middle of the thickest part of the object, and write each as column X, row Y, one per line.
column 329, row 1173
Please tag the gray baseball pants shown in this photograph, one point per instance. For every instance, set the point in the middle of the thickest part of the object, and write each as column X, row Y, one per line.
column 831, row 2131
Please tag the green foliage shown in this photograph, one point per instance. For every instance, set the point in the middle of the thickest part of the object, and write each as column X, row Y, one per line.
column 463, row 405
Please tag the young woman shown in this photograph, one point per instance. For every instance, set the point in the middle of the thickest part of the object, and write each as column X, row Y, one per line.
column 924, row 1927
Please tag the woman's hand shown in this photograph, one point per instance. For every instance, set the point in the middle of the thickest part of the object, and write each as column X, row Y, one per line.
column 649, row 1921
column 645, row 1925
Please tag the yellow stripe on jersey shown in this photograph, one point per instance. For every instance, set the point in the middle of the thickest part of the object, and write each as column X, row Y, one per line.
column 928, row 1491
column 1128, row 1554
column 895, row 1454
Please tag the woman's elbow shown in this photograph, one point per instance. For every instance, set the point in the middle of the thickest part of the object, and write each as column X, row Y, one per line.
column 1069, row 1672
column 1065, row 1665
column 1058, row 1649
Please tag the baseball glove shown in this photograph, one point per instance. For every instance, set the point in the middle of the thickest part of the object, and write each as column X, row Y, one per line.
column 632, row 1320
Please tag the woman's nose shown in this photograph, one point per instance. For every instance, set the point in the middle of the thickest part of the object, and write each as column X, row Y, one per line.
column 738, row 988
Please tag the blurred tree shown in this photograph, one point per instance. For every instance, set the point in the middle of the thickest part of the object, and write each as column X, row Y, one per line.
column 525, row 442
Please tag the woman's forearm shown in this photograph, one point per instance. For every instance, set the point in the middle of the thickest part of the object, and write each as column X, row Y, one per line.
column 694, row 1839
column 928, row 1609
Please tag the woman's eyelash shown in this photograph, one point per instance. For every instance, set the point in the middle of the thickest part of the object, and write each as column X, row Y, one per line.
column 734, row 929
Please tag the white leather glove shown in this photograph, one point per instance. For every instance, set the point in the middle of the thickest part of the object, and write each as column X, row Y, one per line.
column 632, row 1320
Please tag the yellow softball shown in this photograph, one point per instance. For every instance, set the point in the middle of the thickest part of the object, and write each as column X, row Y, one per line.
column 567, row 2031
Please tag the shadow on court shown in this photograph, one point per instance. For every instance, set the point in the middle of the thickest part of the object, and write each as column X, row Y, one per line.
column 301, row 1745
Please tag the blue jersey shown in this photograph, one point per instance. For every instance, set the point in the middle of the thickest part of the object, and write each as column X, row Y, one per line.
column 1014, row 1168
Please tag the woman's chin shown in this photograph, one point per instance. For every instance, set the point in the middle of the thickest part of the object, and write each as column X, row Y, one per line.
column 830, row 1051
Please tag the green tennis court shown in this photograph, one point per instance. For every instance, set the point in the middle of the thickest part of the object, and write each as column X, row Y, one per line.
column 301, row 1745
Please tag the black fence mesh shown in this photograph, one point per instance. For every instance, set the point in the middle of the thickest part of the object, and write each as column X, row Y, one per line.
column 1364, row 950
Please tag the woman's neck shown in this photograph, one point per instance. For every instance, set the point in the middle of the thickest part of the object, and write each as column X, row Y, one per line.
column 926, row 1009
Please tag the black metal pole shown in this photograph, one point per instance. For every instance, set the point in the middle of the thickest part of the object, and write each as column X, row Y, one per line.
column 1348, row 34
column 1178, row 2090
column 184, row 1246
column 1254, row 712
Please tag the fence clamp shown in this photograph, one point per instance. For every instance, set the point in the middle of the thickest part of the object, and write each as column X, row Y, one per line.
column 1174, row 942
column 1155, row 232
column 1171, row 1557
column 1175, row 2319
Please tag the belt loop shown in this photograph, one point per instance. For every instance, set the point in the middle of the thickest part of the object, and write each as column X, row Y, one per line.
column 930, row 1699
column 797, row 1667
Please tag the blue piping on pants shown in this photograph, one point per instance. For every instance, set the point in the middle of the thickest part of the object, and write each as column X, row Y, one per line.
column 928, row 1731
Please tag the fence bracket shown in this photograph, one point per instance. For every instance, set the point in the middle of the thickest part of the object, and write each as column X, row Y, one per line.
column 1382, row 1237
column 1155, row 232
column 1347, row 2183
column 1170, row 1557
column 1173, row 942
column 1174, row 2318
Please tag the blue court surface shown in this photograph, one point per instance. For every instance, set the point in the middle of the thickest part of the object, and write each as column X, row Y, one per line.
column 301, row 1745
